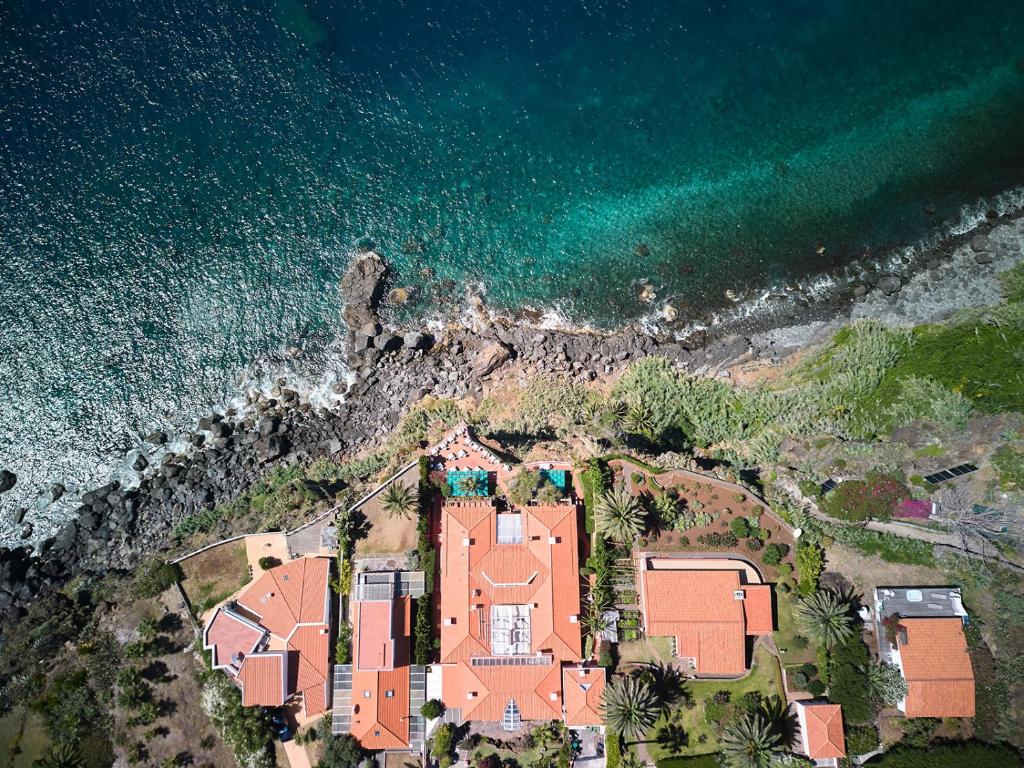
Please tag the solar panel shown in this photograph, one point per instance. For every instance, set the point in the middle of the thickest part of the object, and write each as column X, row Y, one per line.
column 949, row 474
column 828, row 485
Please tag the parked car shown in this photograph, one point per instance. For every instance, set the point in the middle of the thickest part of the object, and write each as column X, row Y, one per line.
column 280, row 726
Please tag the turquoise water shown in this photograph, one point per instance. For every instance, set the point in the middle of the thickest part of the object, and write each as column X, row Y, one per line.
column 181, row 187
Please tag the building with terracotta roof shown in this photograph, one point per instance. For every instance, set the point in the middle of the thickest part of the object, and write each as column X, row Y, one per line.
column 273, row 639
column 379, row 695
column 712, row 608
column 932, row 656
column 921, row 631
column 582, row 692
column 821, row 732
column 510, row 605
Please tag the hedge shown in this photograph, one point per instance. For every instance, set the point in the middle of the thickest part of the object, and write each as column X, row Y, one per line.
column 697, row 761
column 968, row 754
column 596, row 479
column 423, row 632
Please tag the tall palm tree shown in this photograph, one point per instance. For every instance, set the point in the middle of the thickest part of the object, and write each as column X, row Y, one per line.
column 825, row 616
column 630, row 707
column 749, row 742
column 400, row 500
column 619, row 516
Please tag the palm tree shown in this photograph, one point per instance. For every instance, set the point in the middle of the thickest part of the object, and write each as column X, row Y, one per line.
column 630, row 707
column 594, row 621
column 825, row 616
column 400, row 500
column 666, row 681
column 749, row 742
column 618, row 516
column 62, row 755
column 639, row 420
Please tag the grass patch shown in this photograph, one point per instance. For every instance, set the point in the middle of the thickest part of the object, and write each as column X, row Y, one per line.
column 646, row 650
column 789, row 630
column 22, row 738
column 215, row 575
column 766, row 677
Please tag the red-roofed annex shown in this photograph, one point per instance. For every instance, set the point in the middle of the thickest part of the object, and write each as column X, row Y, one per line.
column 273, row 639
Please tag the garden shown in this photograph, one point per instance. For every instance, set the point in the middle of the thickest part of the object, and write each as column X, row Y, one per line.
column 214, row 575
column 694, row 725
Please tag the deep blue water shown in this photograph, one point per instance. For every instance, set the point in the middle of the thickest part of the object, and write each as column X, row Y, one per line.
column 182, row 184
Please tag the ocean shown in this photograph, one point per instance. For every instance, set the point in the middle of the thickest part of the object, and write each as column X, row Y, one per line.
column 182, row 184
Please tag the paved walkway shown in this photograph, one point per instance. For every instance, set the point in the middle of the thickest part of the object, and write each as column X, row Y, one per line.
column 297, row 755
column 265, row 545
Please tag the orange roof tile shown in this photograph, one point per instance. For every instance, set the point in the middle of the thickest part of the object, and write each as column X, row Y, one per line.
column 582, row 689
column 757, row 609
column 482, row 573
column 823, row 731
column 484, row 692
column 291, row 602
column 289, row 594
column 376, row 648
column 937, row 667
column 380, row 698
column 699, row 609
column 263, row 679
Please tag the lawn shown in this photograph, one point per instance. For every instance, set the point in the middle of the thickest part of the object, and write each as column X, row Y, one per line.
column 788, row 630
column 765, row 677
column 646, row 650
column 214, row 575
column 388, row 535
column 25, row 731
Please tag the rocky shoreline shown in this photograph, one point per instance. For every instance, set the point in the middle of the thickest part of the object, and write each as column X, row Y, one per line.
column 394, row 368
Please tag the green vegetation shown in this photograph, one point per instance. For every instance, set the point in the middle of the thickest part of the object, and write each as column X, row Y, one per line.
column 619, row 516
column 846, row 680
column 697, row 761
column 873, row 498
column 596, row 480
column 1008, row 463
column 825, row 616
column 630, row 706
column 339, row 751
column 400, row 500
column 432, row 709
column 691, row 730
column 423, row 631
column 245, row 730
column 750, row 742
column 155, row 577
column 968, row 754
column 810, row 562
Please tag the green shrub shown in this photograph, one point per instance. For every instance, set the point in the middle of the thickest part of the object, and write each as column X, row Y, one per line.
column 846, row 681
column 267, row 562
column 697, row 761
column 596, row 480
column 873, row 498
column 612, row 750
column 740, row 527
column 810, row 561
column 154, row 577
column 861, row 739
column 432, row 709
column 343, row 646
column 1009, row 466
column 967, row 754
column 773, row 553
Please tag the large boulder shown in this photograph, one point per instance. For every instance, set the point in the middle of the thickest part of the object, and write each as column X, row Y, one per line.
column 7, row 480
column 889, row 284
column 490, row 358
column 362, row 287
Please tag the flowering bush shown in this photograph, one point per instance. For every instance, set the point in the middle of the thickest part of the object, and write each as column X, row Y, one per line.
column 871, row 498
